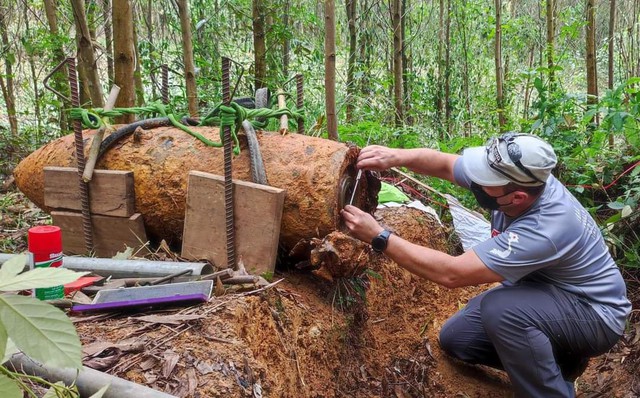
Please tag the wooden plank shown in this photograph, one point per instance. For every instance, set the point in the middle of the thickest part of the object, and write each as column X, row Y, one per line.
column 111, row 192
column 257, row 216
column 110, row 234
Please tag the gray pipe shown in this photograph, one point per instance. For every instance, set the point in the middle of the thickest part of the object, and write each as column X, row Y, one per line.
column 89, row 381
column 127, row 268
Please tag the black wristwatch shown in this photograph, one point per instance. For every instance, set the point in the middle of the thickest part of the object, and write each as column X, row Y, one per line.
column 379, row 243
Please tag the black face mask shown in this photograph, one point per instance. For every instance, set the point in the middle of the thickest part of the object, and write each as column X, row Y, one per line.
column 485, row 200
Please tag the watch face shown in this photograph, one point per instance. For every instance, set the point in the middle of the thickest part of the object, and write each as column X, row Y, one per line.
column 379, row 243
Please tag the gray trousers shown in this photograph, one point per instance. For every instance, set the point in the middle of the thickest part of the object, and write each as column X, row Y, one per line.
column 535, row 332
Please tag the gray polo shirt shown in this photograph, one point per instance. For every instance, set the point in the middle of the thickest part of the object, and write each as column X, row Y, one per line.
column 556, row 241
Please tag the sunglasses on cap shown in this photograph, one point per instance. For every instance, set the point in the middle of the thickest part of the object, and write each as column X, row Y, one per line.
column 514, row 153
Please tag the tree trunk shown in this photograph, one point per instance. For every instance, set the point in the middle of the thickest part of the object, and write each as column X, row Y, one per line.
column 259, row 44
column 148, row 21
column 34, row 76
column 498, row 62
column 187, row 56
column 592, row 72
column 8, row 90
column 612, row 31
column 527, row 87
column 330, row 67
column 447, row 69
column 440, row 63
column 137, row 73
column 364, row 51
column 87, row 67
column 108, row 37
column 124, row 57
column 60, row 77
column 351, row 6
column 396, row 24
column 460, row 12
column 286, row 43
column 551, row 33
column 406, row 68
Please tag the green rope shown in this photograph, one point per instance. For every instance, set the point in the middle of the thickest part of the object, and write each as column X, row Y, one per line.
column 222, row 115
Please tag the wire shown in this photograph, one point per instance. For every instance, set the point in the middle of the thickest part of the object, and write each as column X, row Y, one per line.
column 612, row 183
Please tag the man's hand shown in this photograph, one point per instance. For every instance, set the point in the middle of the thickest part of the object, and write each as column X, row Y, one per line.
column 361, row 225
column 377, row 158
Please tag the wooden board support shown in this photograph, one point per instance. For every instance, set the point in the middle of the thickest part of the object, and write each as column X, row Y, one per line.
column 110, row 234
column 258, row 215
column 111, row 192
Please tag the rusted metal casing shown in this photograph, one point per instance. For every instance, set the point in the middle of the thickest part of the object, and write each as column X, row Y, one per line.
column 317, row 174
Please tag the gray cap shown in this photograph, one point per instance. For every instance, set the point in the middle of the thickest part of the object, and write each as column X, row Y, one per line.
column 523, row 159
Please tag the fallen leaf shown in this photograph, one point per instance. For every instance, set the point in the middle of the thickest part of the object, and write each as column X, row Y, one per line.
column 170, row 361
column 149, row 363
column 204, row 368
column 192, row 381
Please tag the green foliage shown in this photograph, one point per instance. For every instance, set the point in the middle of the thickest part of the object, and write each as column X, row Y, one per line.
column 40, row 330
column 597, row 147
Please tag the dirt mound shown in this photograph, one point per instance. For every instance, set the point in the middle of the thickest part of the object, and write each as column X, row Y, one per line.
column 364, row 336
column 369, row 336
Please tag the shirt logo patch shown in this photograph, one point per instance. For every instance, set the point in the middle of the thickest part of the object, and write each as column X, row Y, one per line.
column 513, row 238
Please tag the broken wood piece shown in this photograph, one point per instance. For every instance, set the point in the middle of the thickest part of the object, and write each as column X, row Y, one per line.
column 97, row 138
column 219, row 291
column 60, row 303
column 340, row 255
column 110, row 234
column 78, row 297
column 257, row 215
column 175, row 319
column 112, row 191
column 284, row 119
column 243, row 279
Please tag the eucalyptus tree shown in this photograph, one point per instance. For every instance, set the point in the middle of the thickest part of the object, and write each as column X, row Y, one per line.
column 330, row 68
column 30, row 50
column 396, row 23
column 58, row 57
column 7, row 83
column 91, row 87
column 124, row 56
column 351, row 7
column 498, row 61
column 592, row 69
column 259, row 43
column 551, row 34
column 187, row 55
column 108, row 37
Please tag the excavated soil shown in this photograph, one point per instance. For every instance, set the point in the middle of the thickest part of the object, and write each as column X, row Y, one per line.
column 310, row 335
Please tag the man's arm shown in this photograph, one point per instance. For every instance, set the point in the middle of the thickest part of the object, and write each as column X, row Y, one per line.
column 421, row 160
column 449, row 271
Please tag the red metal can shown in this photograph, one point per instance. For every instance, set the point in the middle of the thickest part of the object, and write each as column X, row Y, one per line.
column 45, row 250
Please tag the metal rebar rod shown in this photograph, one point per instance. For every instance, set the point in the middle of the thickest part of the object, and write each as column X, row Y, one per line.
column 228, row 182
column 300, row 100
column 79, row 143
